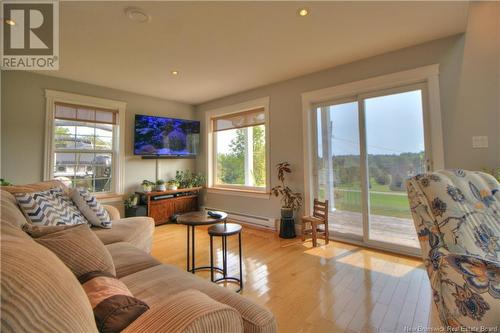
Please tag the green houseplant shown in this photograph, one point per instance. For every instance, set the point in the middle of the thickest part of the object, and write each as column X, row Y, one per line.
column 160, row 185
column 172, row 184
column 290, row 201
column 147, row 186
column 131, row 201
column 188, row 179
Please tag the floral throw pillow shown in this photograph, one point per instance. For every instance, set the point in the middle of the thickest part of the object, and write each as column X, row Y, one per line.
column 95, row 213
column 49, row 208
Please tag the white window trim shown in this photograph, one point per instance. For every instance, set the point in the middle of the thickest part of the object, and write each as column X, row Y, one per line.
column 228, row 189
column 52, row 97
column 426, row 74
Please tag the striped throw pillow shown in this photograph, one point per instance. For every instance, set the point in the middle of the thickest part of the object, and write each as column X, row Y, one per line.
column 50, row 207
column 77, row 246
column 91, row 208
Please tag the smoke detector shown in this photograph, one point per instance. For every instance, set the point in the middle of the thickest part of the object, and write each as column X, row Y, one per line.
column 137, row 15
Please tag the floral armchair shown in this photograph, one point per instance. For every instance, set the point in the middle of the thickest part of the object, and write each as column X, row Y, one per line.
column 457, row 218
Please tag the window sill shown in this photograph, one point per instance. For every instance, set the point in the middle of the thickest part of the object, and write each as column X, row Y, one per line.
column 109, row 197
column 239, row 192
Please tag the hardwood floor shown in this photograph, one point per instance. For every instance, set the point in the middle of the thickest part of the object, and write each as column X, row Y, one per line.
column 334, row 288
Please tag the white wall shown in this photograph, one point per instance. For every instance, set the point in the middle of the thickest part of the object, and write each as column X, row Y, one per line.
column 23, row 125
column 469, row 85
column 476, row 105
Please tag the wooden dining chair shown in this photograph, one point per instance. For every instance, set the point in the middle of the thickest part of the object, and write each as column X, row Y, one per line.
column 318, row 218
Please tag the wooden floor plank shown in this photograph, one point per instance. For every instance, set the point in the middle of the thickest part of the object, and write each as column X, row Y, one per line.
column 333, row 288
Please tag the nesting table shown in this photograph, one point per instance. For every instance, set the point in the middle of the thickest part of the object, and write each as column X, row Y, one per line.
column 191, row 220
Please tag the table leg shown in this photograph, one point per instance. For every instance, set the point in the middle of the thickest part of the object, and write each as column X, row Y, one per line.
column 193, row 253
column 224, row 255
column 187, row 250
column 211, row 258
column 241, row 264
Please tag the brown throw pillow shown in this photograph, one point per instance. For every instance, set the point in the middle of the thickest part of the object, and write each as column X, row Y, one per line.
column 77, row 246
column 113, row 304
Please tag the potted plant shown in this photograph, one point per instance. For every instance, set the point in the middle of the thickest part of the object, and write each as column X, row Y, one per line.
column 131, row 201
column 180, row 178
column 172, row 184
column 198, row 180
column 160, row 185
column 290, row 201
column 147, row 186
column 133, row 208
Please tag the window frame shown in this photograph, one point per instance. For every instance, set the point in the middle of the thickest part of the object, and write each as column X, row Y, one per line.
column 52, row 97
column 211, row 166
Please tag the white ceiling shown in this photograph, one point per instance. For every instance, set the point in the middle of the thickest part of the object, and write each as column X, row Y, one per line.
column 221, row 48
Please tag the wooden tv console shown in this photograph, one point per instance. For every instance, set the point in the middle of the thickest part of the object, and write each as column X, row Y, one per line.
column 162, row 205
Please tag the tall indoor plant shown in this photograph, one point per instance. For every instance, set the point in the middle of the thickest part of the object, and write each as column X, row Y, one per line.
column 290, row 201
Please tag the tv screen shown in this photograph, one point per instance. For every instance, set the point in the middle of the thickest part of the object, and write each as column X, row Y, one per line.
column 166, row 136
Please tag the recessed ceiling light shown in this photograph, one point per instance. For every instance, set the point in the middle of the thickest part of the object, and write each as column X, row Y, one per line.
column 174, row 72
column 10, row 22
column 137, row 15
column 303, row 12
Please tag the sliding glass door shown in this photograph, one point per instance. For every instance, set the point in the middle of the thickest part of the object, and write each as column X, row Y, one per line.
column 338, row 177
column 366, row 147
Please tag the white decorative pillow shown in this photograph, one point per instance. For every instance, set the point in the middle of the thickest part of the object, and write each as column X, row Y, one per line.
column 91, row 208
column 50, row 207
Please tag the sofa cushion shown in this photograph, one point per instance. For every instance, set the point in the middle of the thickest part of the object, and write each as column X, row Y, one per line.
column 113, row 305
column 38, row 292
column 157, row 283
column 36, row 187
column 137, row 231
column 10, row 213
column 188, row 311
column 128, row 259
column 78, row 247
column 50, row 207
column 93, row 211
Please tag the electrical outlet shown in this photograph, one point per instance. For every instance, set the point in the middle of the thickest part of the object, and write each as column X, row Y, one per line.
column 479, row 142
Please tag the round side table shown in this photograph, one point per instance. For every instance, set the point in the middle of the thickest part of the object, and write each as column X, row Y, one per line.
column 191, row 220
column 225, row 230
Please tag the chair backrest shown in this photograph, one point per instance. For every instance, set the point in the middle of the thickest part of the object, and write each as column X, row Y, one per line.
column 457, row 209
column 320, row 210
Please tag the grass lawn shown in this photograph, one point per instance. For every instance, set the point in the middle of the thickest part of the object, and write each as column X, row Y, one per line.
column 395, row 204
column 374, row 187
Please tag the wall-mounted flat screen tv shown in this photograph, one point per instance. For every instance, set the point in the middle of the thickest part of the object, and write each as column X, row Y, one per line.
column 166, row 136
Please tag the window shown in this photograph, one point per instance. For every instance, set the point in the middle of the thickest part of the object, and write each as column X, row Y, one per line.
column 239, row 149
column 84, row 145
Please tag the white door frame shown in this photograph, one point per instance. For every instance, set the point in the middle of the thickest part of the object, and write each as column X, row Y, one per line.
column 427, row 76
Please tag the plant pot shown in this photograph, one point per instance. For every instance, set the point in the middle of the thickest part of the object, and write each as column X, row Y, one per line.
column 140, row 210
column 286, row 213
column 134, row 201
column 172, row 187
column 161, row 188
column 287, row 228
column 147, row 188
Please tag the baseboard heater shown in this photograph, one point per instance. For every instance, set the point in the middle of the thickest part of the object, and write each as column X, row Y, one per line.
column 253, row 220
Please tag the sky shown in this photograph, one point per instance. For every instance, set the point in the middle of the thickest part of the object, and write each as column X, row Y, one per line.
column 394, row 125
column 224, row 139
